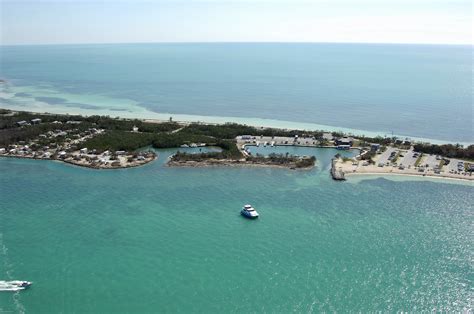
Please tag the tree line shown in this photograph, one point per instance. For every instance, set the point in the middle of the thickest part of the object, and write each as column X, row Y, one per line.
column 447, row 150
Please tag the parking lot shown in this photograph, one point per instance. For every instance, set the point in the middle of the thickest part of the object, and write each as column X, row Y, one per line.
column 408, row 160
column 278, row 140
column 384, row 157
column 452, row 167
column 430, row 161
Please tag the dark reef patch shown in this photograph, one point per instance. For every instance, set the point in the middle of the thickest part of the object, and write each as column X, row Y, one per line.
column 51, row 100
column 120, row 109
column 82, row 106
column 23, row 95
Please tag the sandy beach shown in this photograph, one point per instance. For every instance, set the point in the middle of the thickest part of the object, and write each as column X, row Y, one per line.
column 349, row 168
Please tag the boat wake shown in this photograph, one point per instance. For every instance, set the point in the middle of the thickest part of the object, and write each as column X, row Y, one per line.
column 13, row 285
column 8, row 285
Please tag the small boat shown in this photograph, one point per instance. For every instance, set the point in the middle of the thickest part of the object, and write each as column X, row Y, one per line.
column 249, row 212
column 14, row 285
column 21, row 283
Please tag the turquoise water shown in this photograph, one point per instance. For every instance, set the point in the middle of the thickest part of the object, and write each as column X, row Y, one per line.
column 420, row 91
column 159, row 239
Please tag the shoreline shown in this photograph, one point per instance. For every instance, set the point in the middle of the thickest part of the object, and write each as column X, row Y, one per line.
column 82, row 165
column 349, row 169
column 231, row 163
column 428, row 176
column 237, row 164
column 342, row 167
column 155, row 117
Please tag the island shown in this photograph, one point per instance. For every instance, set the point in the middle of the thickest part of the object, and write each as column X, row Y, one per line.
column 103, row 142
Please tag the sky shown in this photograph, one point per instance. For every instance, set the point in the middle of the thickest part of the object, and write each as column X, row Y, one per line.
column 127, row 21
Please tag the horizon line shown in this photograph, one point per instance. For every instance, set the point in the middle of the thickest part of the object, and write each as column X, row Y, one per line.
column 238, row 42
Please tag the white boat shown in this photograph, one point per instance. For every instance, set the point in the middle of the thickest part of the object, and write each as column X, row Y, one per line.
column 14, row 285
column 249, row 212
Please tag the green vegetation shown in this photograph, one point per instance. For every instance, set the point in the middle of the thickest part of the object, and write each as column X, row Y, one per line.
column 447, row 150
column 368, row 157
column 182, row 156
column 441, row 164
column 119, row 140
column 231, row 130
column 216, row 135
column 358, row 143
column 229, row 151
column 221, row 136
column 376, row 140
column 168, row 140
column 323, row 142
column 280, row 159
column 272, row 159
column 103, row 122
column 118, row 135
column 306, row 162
column 11, row 133
column 418, row 160
column 127, row 125
column 395, row 158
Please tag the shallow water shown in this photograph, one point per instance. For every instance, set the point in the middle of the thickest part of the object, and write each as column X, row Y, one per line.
column 165, row 239
column 422, row 91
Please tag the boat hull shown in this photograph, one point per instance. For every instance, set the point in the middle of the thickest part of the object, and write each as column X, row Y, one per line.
column 246, row 215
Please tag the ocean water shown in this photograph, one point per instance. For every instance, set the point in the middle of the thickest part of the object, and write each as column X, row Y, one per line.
column 160, row 239
column 416, row 91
